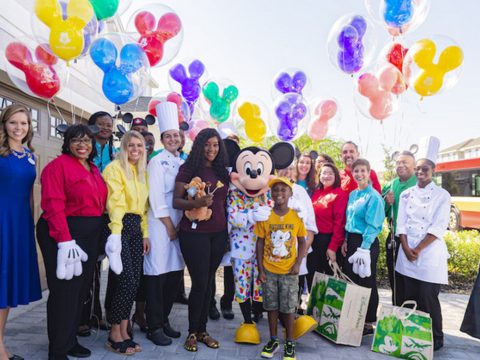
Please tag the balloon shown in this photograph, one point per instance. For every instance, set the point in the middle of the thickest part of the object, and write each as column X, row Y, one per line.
column 398, row 12
column 391, row 78
column 105, row 9
column 290, row 110
column 197, row 126
column 158, row 30
column 426, row 77
column 382, row 102
column 219, row 108
column 396, row 54
column 286, row 83
column 182, row 106
column 190, row 85
column 255, row 126
column 66, row 37
column 38, row 76
column 126, row 81
column 322, row 114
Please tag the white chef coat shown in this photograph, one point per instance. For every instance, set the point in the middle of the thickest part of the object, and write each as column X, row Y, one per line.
column 165, row 255
column 421, row 212
column 301, row 197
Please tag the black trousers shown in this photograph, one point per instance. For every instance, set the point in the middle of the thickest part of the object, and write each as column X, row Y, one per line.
column 202, row 253
column 317, row 259
column 161, row 291
column 228, row 289
column 129, row 279
column 354, row 241
column 426, row 296
column 395, row 278
column 92, row 309
column 66, row 297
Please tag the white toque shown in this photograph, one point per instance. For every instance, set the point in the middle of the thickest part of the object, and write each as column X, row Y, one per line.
column 167, row 115
column 428, row 148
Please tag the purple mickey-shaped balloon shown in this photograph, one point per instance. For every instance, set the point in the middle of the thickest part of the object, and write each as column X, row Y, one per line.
column 191, row 88
column 286, row 84
column 350, row 54
column 290, row 110
column 359, row 23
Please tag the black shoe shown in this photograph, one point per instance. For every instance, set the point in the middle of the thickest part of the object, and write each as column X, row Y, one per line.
column 437, row 344
column 142, row 325
column 256, row 317
column 182, row 299
column 227, row 313
column 83, row 331
column 213, row 312
column 368, row 330
column 159, row 338
column 79, row 351
column 170, row 332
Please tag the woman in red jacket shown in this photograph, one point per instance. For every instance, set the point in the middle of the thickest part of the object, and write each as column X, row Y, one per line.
column 329, row 203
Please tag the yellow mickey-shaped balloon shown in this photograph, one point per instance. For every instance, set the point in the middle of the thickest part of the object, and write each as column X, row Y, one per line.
column 66, row 35
column 255, row 127
column 430, row 80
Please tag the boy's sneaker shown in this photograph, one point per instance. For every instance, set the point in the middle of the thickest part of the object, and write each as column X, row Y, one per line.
column 289, row 351
column 270, row 348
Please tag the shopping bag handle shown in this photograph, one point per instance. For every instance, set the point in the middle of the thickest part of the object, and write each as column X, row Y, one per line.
column 409, row 313
column 337, row 272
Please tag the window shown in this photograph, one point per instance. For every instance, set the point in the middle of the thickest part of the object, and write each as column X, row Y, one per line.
column 460, row 183
column 54, row 122
column 35, row 114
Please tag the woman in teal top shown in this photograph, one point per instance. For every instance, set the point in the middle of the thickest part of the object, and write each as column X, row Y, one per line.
column 365, row 215
column 104, row 139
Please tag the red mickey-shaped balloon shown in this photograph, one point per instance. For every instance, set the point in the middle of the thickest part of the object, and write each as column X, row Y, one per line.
column 396, row 54
column 40, row 77
column 44, row 56
column 152, row 40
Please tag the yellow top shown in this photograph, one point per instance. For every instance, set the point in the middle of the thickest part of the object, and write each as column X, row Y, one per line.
column 280, row 234
column 125, row 196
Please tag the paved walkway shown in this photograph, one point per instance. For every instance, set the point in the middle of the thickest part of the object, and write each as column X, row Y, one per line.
column 26, row 335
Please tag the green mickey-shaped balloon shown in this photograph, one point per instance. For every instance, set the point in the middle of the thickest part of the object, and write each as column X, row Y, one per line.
column 220, row 105
column 104, row 9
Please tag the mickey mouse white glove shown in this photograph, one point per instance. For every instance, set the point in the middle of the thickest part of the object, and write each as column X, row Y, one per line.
column 241, row 220
column 296, row 205
column 69, row 260
column 361, row 262
column 113, row 249
column 261, row 213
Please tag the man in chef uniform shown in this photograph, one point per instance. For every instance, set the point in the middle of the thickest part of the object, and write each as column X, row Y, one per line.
column 164, row 263
column 422, row 220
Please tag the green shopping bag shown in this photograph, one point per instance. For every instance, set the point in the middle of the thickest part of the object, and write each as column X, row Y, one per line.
column 339, row 306
column 403, row 332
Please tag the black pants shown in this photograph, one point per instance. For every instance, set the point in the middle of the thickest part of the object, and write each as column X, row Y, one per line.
column 161, row 291
column 317, row 259
column 354, row 241
column 92, row 309
column 426, row 296
column 202, row 253
column 395, row 278
column 66, row 297
column 228, row 289
column 129, row 279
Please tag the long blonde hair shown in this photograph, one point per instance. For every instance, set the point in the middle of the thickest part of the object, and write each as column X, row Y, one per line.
column 7, row 113
column 123, row 156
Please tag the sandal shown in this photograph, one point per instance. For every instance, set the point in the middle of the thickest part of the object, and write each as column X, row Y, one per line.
column 205, row 338
column 133, row 345
column 120, row 347
column 191, row 342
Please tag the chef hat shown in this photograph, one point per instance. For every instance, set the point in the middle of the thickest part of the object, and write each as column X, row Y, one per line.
column 167, row 113
column 428, row 148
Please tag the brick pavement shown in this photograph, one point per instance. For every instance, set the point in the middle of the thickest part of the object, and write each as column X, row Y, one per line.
column 26, row 335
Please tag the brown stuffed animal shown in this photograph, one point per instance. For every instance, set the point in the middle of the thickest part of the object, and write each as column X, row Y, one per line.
column 200, row 214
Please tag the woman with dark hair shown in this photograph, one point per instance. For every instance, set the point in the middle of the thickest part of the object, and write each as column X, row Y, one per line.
column 203, row 243
column 305, row 174
column 68, row 232
column 365, row 215
column 19, row 280
column 322, row 159
column 103, row 139
column 329, row 204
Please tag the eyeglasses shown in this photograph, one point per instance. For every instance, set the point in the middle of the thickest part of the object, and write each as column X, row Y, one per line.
column 85, row 140
column 423, row 168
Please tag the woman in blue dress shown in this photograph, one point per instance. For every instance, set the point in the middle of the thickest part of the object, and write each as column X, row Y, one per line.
column 19, row 278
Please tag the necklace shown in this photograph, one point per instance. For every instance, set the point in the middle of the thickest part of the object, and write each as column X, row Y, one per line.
column 18, row 154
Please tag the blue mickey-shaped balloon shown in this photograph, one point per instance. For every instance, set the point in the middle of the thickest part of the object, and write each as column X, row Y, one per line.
column 117, row 84
column 398, row 13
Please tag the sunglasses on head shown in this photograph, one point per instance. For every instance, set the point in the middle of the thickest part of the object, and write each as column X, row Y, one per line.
column 423, row 168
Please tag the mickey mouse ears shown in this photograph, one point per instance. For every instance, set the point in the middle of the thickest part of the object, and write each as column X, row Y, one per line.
column 62, row 129
column 128, row 118
column 413, row 149
column 283, row 154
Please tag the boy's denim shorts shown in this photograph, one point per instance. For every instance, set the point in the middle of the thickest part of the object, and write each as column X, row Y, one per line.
column 280, row 292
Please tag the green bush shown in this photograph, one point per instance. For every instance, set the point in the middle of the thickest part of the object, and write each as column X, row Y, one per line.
column 464, row 249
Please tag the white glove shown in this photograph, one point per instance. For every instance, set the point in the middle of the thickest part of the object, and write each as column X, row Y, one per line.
column 69, row 260
column 361, row 262
column 241, row 220
column 296, row 205
column 113, row 249
column 261, row 213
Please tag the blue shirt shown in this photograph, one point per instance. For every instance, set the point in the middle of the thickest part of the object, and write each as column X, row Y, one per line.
column 103, row 156
column 365, row 214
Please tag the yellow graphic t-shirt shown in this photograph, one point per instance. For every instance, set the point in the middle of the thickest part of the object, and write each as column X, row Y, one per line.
column 280, row 234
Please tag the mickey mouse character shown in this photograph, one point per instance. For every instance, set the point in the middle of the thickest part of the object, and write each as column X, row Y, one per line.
column 249, row 201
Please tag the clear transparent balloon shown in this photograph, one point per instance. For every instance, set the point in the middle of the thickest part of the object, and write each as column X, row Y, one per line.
column 351, row 43
column 119, row 67
column 325, row 118
column 291, row 117
column 433, row 65
column 218, row 99
column 187, row 77
column 291, row 80
column 252, row 119
column 33, row 69
column 398, row 17
column 158, row 29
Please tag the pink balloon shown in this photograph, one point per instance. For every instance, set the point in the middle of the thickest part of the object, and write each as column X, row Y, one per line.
column 318, row 127
column 381, row 100
column 390, row 78
column 197, row 126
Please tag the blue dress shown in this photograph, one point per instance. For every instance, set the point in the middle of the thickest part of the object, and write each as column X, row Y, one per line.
column 19, row 278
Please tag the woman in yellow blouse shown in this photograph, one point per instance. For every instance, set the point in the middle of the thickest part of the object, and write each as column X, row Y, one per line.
column 127, row 208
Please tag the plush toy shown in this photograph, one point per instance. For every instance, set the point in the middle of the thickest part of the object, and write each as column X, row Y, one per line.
column 196, row 189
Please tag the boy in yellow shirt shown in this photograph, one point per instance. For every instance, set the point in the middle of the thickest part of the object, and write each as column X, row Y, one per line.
column 279, row 264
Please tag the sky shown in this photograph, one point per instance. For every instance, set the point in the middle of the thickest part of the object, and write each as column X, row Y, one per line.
column 250, row 41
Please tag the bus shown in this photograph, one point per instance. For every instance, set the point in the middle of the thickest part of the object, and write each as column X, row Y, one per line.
column 461, row 178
